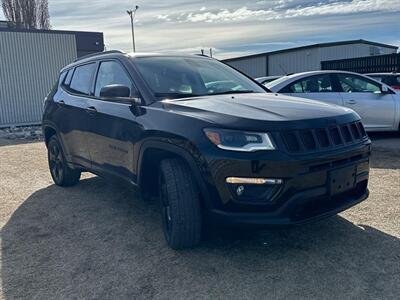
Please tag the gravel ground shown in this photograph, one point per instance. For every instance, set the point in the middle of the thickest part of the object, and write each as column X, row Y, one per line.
column 99, row 240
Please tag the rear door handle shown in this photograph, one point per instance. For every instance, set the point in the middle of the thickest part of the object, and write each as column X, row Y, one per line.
column 91, row 109
column 351, row 101
column 62, row 102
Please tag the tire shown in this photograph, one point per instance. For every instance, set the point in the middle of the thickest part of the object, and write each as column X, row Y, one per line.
column 180, row 205
column 60, row 172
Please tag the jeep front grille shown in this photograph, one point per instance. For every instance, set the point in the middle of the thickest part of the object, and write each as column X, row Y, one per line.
column 320, row 139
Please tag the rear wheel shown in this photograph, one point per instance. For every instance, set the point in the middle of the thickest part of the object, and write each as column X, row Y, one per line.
column 60, row 172
column 180, row 205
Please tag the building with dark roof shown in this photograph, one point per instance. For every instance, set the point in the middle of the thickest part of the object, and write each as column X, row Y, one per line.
column 306, row 58
column 30, row 61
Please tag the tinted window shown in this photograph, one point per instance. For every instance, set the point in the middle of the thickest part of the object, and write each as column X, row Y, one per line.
column 111, row 72
column 62, row 76
column 356, row 84
column 177, row 77
column 67, row 81
column 82, row 80
column 314, row 84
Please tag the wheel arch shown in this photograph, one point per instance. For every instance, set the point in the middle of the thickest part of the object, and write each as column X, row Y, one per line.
column 152, row 152
column 48, row 132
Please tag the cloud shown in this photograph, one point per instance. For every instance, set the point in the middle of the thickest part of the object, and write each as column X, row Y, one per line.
column 278, row 12
column 242, row 13
column 355, row 6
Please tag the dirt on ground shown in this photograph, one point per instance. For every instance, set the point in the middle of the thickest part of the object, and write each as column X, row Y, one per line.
column 98, row 240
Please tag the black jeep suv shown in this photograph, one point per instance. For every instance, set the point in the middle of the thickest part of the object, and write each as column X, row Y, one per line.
column 209, row 142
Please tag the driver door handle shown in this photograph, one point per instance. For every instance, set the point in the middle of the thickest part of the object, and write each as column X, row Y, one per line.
column 351, row 101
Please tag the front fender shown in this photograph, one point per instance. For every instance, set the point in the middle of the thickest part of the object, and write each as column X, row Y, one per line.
column 185, row 151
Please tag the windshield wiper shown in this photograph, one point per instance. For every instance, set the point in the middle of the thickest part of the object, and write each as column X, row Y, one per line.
column 232, row 92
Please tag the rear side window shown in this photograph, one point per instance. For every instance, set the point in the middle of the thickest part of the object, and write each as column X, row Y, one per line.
column 81, row 82
column 356, row 84
column 68, row 78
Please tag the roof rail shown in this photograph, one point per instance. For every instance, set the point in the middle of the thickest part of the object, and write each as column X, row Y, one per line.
column 99, row 53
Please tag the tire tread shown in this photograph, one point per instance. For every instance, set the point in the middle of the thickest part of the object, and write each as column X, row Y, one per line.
column 184, row 202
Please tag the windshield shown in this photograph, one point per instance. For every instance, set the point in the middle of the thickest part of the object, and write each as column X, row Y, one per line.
column 181, row 77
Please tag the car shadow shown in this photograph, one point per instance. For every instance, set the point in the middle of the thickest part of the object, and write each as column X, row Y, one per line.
column 99, row 240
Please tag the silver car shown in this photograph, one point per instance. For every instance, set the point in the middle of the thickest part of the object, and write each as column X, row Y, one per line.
column 376, row 103
column 267, row 79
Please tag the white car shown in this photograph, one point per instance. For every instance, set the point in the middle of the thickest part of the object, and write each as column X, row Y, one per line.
column 267, row 79
column 376, row 103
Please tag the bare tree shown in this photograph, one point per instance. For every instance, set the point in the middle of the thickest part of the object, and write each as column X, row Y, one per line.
column 43, row 15
column 28, row 14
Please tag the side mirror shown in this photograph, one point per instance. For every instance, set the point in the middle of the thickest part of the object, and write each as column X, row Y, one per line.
column 115, row 91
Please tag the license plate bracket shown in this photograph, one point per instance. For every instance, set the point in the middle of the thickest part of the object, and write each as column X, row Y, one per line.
column 342, row 180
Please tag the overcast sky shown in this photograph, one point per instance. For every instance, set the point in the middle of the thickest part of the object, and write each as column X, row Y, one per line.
column 231, row 27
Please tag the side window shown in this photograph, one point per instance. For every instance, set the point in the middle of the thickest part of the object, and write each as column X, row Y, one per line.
column 81, row 82
column 355, row 84
column 314, row 84
column 68, row 78
column 297, row 87
column 111, row 72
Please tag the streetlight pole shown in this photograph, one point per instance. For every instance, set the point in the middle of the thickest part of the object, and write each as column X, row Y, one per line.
column 132, row 14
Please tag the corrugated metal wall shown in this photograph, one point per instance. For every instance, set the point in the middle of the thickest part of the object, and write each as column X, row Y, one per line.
column 29, row 65
column 254, row 67
column 294, row 62
column 302, row 60
column 310, row 59
column 352, row 51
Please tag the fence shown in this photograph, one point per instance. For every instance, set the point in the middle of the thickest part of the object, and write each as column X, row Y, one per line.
column 369, row 64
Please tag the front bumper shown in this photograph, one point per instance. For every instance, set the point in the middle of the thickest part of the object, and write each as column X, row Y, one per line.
column 306, row 208
column 306, row 195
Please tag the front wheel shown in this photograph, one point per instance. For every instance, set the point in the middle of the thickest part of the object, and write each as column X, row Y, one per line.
column 60, row 172
column 180, row 205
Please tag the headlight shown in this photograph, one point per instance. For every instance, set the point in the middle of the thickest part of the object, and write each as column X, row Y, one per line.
column 239, row 140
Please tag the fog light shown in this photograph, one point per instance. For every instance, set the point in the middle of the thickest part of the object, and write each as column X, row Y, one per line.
column 244, row 180
column 240, row 190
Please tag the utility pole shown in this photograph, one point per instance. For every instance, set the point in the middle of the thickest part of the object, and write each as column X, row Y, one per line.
column 132, row 14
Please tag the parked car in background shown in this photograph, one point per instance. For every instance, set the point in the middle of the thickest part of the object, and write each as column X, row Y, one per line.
column 376, row 103
column 391, row 79
column 267, row 79
column 205, row 140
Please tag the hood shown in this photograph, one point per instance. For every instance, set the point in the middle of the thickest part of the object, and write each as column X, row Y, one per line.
column 256, row 106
